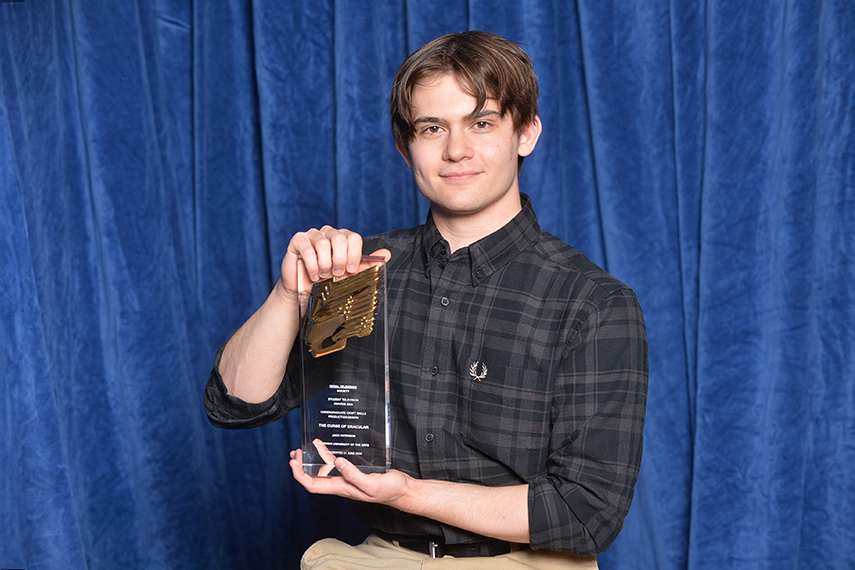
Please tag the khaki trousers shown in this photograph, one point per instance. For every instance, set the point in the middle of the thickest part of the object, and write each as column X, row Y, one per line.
column 332, row 554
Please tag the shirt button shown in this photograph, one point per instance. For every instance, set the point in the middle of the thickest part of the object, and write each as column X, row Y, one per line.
column 479, row 274
column 444, row 301
column 434, row 370
column 429, row 437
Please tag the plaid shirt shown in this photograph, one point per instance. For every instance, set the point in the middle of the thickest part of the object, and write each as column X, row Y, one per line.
column 513, row 361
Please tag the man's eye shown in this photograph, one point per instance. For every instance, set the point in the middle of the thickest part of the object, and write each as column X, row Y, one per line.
column 482, row 124
column 432, row 129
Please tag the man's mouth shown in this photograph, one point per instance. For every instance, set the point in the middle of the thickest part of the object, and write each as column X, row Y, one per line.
column 463, row 175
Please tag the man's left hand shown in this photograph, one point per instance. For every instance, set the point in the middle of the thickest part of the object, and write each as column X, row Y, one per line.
column 385, row 488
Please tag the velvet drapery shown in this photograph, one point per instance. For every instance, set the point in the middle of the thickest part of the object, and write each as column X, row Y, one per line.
column 156, row 156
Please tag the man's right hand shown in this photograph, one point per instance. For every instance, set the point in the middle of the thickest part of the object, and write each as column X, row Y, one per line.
column 254, row 359
column 327, row 252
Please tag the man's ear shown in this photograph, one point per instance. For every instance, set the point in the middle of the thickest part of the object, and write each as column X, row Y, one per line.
column 405, row 152
column 529, row 136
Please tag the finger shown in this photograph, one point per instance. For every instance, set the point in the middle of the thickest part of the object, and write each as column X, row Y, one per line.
column 296, row 463
column 323, row 248
column 327, row 456
column 346, row 250
column 354, row 252
column 325, row 453
column 351, row 473
column 300, row 474
column 384, row 253
column 301, row 250
column 360, row 486
column 340, row 242
column 319, row 484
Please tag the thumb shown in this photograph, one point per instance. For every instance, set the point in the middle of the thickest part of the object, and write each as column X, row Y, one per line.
column 384, row 253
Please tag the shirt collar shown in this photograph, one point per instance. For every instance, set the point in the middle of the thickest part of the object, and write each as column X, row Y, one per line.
column 490, row 253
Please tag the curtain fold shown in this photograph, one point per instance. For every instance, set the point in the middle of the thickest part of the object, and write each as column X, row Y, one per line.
column 156, row 157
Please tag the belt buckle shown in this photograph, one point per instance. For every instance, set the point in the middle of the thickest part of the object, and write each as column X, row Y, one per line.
column 433, row 549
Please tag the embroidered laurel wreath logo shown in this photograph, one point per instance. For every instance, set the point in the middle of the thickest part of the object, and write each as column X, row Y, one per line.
column 473, row 371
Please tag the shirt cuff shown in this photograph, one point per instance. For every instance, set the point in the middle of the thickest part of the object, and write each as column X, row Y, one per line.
column 226, row 411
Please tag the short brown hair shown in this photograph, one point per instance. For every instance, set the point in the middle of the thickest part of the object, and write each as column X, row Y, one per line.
column 486, row 65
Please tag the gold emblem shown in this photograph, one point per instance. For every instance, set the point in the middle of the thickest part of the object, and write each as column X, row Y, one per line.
column 338, row 310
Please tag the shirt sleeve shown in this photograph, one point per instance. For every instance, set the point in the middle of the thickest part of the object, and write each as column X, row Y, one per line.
column 595, row 444
column 226, row 411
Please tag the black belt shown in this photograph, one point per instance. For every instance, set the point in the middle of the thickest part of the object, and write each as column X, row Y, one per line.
column 438, row 549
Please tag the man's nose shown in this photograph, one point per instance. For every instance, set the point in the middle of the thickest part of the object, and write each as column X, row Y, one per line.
column 457, row 147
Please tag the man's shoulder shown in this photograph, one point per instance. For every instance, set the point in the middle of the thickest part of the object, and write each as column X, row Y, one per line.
column 577, row 268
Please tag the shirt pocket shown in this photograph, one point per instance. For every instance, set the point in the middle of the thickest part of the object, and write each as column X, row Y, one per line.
column 508, row 417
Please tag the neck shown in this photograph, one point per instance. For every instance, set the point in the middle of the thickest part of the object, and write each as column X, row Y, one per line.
column 462, row 230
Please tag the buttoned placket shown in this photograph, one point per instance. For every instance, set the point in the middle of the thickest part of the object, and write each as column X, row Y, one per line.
column 437, row 366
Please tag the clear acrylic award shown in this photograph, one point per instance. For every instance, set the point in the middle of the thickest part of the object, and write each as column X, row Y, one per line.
column 345, row 371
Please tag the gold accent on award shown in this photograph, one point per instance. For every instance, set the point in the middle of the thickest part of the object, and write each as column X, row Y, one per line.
column 339, row 310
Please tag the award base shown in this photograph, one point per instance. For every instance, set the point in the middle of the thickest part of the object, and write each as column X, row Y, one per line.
column 345, row 372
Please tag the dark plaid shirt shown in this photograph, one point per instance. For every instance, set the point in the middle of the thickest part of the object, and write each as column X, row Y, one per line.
column 515, row 360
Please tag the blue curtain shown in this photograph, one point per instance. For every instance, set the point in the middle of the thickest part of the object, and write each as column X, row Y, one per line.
column 156, row 156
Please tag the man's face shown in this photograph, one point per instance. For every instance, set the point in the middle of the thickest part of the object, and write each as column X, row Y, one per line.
column 465, row 164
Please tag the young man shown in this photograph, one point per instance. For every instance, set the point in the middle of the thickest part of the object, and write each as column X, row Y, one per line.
column 518, row 367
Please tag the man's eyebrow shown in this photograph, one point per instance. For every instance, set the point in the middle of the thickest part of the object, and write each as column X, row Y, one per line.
column 427, row 120
column 481, row 114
